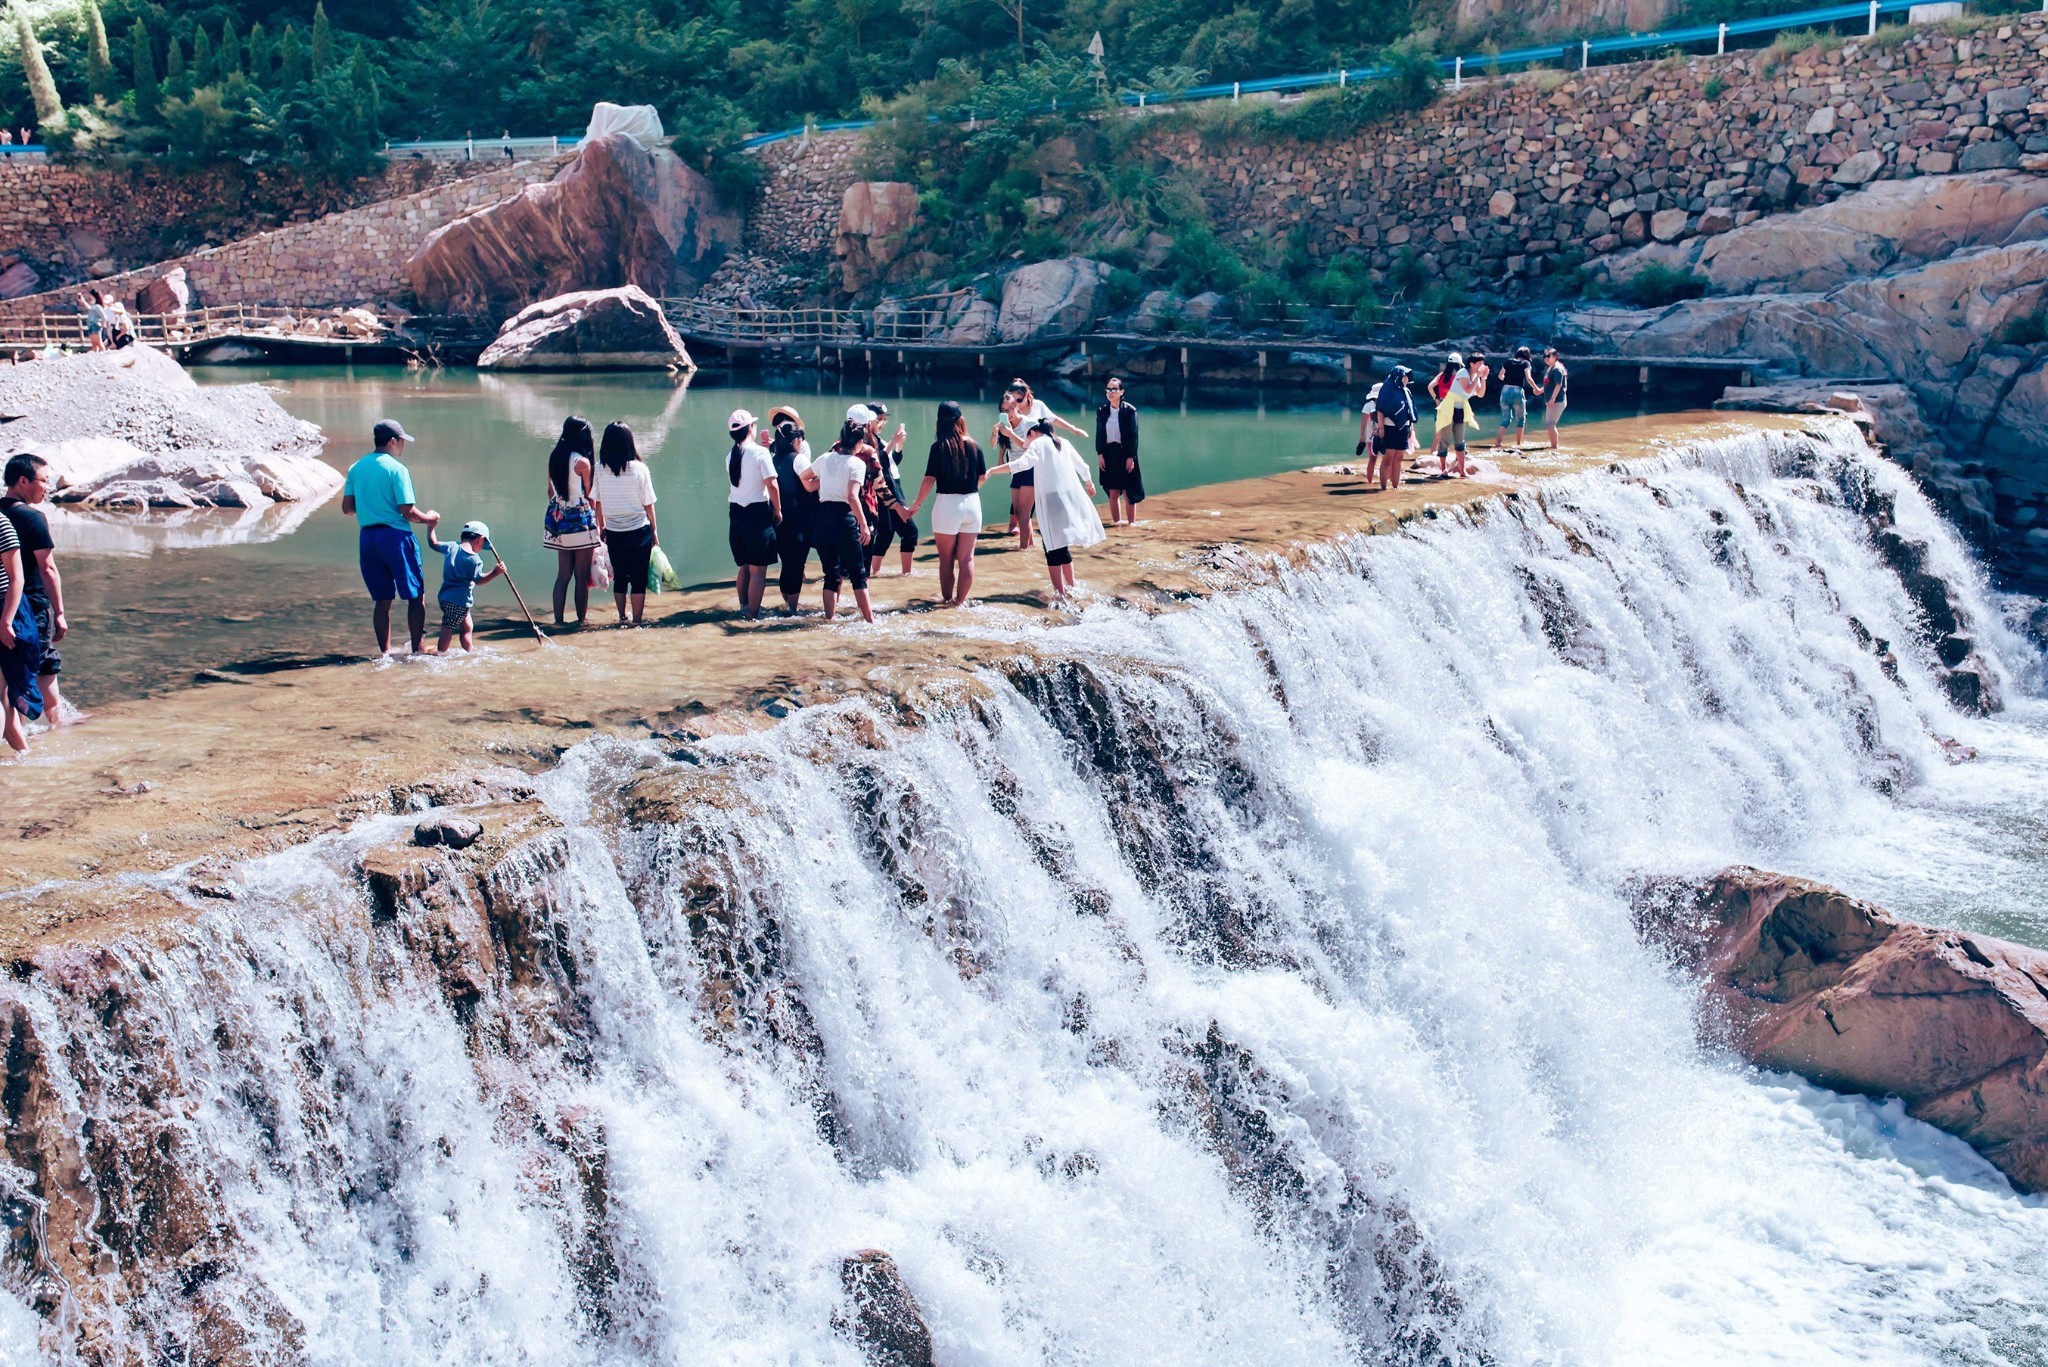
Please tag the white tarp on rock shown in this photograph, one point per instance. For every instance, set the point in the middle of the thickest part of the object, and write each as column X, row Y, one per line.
column 640, row 122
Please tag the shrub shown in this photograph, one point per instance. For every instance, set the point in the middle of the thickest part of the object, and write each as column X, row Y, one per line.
column 1436, row 316
column 2026, row 330
column 1714, row 87
column 1890, row 36
column 1658, row 284
column 1200, row 262
column 1799, row 40
column 1125, row 289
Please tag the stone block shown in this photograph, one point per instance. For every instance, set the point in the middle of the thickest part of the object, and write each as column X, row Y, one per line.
column 1859, row 169
column 1668, row 225
column 1992, row 155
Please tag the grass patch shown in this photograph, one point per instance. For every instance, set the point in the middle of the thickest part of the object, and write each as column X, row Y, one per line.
column 1889, row 37
column 1714, row 88
column 1786, row 45
column 1657, row 284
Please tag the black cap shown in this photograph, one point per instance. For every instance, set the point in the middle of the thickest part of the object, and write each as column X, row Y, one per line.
column 389, row 430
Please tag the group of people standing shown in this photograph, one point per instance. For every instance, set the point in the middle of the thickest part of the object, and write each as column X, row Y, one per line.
column 106, row 321
column 1386, row 426
column 847, row 504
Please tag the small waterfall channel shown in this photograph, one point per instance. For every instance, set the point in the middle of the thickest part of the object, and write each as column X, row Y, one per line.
column 1253, row 983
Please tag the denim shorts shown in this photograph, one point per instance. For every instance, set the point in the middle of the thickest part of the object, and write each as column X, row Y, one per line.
column 1514, row 406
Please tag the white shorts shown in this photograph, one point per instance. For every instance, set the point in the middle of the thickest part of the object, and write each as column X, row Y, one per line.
column 953, row 514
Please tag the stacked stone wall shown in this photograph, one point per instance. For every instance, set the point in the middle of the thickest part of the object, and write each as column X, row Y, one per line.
column 1515, row 178
column 71, row 217
column 353, row 257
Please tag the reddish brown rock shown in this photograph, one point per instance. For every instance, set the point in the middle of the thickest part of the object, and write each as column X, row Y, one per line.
column 616, row 214
column 169, row 294
column 877, row 221
column 1804, row 978
column 621, row 329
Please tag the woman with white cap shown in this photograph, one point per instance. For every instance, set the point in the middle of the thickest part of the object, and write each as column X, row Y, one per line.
column 753, row 510
column 1065, row 506
column 791, row 454
column 1452, row 389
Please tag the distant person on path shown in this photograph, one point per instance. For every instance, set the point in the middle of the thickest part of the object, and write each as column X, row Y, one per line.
column 1556, row 391
column 954, row 468
column 1369, row 433
column 624, row 496
column 506, row 138
column 888, row 513
column 1066, row 502
column 570, row 527
column 1116, row 452
column 94, row 323
column 28, row 485
column 791, row 455
column 842, row 531
column 1395, row 420
column 753, row 508
column 1515, row 384
column 462, row 569
column 378, row 495
column 20, row 646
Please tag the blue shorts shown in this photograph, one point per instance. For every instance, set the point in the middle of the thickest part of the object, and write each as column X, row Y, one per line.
column 1514, row 406
column 390, row 558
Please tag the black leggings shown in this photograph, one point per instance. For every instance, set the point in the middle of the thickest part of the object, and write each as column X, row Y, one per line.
column 840, row 554
column 793, row 544
column 630, row 552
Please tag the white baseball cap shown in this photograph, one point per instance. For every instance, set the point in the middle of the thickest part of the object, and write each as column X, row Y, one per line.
column 1457, row 359
column 740, row 418
column 861, row 414
column 477, row 530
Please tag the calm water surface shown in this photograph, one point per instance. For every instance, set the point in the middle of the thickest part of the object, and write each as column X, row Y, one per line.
column 154, row 601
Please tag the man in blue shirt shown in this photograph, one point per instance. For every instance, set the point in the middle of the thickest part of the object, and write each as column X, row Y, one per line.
column 378, row 494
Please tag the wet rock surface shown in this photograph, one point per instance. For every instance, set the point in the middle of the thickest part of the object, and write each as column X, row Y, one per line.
column 618, row 329
column 1800, row 976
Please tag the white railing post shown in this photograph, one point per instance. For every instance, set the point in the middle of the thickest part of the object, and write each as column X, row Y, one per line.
column 1457, row 73
column 1235, row 88
column 1585, row 54
column 1721, row 39
column 1873, row 16
column 1341, row 74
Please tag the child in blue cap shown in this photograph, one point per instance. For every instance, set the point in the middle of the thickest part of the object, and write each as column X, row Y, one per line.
column 462, row 569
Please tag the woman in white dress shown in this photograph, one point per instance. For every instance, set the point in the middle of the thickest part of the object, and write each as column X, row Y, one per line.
column 1020, row 413
column 1065, row 505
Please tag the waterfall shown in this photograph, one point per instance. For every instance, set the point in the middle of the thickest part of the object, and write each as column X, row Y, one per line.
column 1248, row 983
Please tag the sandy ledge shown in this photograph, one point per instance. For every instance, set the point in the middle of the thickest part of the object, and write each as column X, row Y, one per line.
column 252, row 764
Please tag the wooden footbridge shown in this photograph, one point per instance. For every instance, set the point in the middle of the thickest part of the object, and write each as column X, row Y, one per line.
column 275, row 331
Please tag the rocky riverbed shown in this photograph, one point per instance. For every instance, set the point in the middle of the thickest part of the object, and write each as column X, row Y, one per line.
column 130, row 430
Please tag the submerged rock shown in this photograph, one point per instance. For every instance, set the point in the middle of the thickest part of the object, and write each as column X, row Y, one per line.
column 621, row 329
column 1804, row 978
column 130, row 430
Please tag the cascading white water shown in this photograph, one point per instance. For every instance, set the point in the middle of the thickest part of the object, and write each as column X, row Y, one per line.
column 1252, row 983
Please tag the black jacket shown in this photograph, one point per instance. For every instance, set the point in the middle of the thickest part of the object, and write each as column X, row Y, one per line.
column 1127, row 425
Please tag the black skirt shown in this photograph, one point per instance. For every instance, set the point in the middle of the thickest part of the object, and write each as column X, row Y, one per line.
column 1116, row 479
column 751, row 533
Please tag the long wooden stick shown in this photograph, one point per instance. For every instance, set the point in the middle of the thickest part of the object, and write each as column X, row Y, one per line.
column 539, row 635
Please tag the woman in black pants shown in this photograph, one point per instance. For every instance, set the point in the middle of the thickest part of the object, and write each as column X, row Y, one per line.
column 792, row 456
column 842, row 534
column 624, row 495
column 753, row 510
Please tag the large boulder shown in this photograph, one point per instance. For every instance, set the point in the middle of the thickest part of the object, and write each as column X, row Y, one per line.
column 618, row 213
column 1051, row 300
column 130, row 430
column 1804, row 978
column 169, row 295
column 1892, row 225
column 619, row 329
column 878, row 221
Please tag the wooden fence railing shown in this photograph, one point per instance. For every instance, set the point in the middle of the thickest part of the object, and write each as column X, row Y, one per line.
column 191, row 326
column 910, row 322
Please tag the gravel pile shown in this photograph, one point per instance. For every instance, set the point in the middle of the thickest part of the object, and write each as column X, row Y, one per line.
column 143, row 398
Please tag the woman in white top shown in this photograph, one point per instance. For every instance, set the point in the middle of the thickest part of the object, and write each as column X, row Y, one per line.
column 1024, row 411
column 1065, row 506
column 753, row 509
column 570, row 527
column 842, row 533
column 624, row 495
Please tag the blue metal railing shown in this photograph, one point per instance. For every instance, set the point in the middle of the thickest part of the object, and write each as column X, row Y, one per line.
column 1456, row 67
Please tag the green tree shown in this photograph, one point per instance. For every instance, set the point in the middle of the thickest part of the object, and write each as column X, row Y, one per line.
column 203, row 72
column 99, row 61
column 259, row 56
column 229, row 59
column 323, row 41
column 291, row 59
column 42, row 87
column 177, row 77
column 149, row 96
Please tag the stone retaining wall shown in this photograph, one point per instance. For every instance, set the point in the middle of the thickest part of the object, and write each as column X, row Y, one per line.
column 346, row 258
column 1515, row 178
column 74, row 216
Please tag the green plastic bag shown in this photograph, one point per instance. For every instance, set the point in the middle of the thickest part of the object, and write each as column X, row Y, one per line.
column 660, row 574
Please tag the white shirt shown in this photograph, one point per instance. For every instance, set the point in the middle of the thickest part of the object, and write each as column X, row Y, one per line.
column 1021, row 419
column 1372, row 400
column 840, row 475
column 624, row 498
column 757, row 472
column 1113, row 430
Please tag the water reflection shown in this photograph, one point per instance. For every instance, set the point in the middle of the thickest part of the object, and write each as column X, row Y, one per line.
column 95, row 531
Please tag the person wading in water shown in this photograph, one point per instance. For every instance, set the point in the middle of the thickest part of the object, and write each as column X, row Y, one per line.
column 378, row 495
column 954, row 468
column 754, row 511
